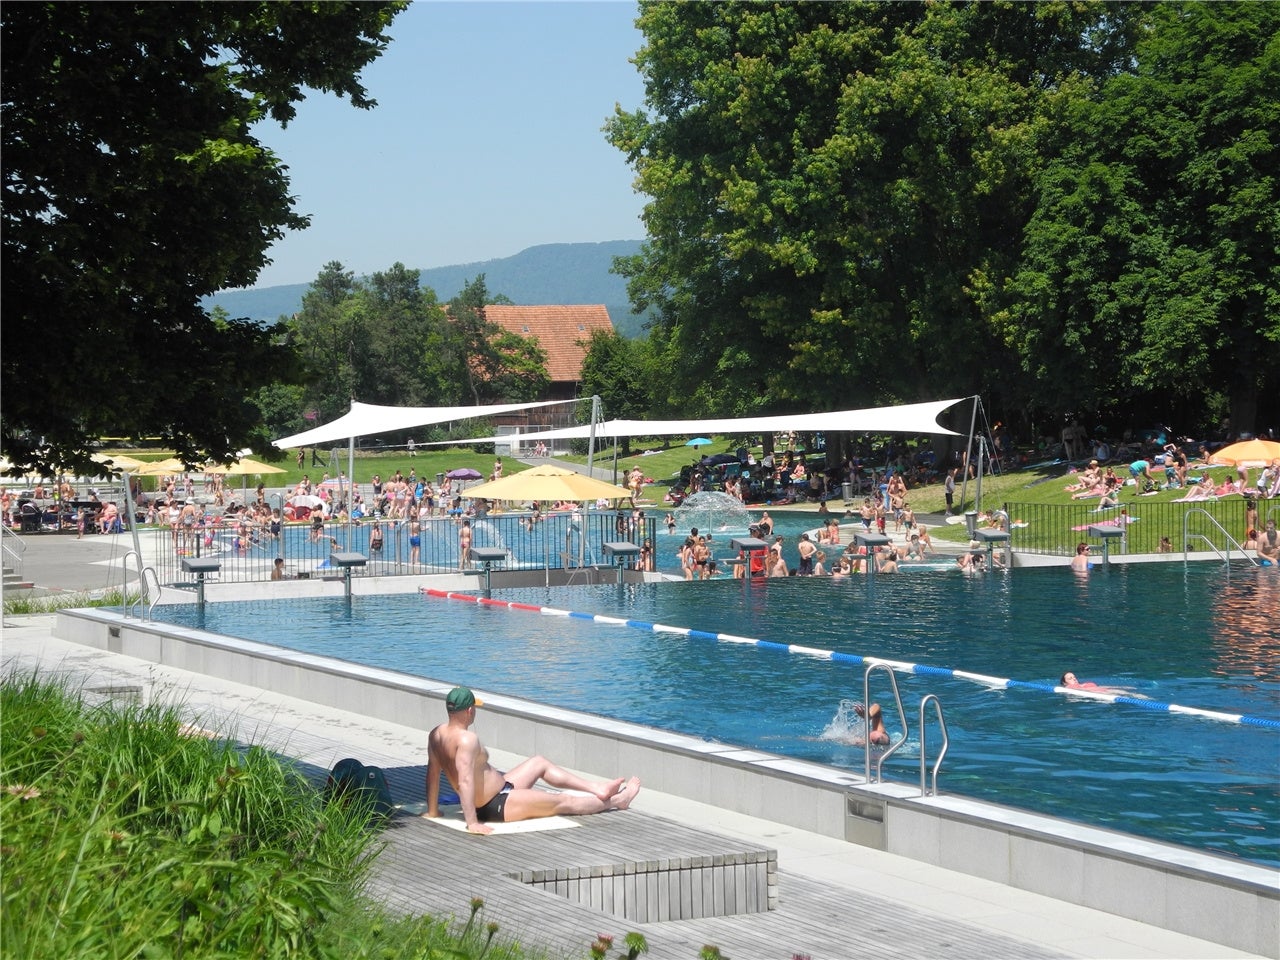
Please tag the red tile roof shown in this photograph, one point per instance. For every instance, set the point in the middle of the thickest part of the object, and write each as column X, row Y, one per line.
column 559, row 329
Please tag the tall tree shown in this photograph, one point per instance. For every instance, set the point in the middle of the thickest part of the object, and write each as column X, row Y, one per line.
column 830, row 181
column 1152, row 266
column 491, row 363
column 842, row 197
column 325, row 334
column 133, row 186
column 619, row 371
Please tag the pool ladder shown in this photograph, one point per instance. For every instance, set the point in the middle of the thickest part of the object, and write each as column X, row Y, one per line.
column 928, row 778
column 1225, row 552
column 147, row 579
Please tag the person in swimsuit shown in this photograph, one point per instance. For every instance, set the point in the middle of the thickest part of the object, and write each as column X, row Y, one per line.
column 1072, row 682
column 487, row 795
column 875, row 719
column 1269, row 544
column 464, row 545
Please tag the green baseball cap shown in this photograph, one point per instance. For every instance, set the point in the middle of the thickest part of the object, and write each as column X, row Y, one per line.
column 461, row 698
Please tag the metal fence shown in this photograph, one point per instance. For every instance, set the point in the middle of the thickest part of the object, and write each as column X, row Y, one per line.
column 1057, row 528
column 560, row 540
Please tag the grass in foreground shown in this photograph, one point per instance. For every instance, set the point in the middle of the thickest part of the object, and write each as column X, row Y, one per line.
column 21, row 605
column 124, row 835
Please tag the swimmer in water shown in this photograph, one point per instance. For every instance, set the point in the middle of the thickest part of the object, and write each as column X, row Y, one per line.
column 1071, row 682
column 875, row 717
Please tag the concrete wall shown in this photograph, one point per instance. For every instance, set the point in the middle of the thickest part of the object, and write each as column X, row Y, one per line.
column 1215, row 898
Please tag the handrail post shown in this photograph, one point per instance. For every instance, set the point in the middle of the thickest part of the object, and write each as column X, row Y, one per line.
column 946, row 742
column 866, row 719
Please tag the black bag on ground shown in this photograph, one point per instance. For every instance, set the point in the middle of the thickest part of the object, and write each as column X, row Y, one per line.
column 351, row 782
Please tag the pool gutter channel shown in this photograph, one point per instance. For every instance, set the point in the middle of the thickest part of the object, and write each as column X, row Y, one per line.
column 1215, row 898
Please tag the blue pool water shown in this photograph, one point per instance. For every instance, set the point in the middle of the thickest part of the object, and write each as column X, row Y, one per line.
column 1183, row 634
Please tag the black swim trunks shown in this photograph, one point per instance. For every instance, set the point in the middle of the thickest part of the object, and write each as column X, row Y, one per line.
column 496, row 809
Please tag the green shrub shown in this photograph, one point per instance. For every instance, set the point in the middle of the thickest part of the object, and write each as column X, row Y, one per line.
column 125, row 836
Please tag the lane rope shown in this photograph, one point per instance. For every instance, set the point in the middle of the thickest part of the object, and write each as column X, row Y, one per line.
column 919, row 669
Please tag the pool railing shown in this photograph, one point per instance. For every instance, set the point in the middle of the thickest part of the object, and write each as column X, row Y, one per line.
column 1196, row 526
column 553, row 541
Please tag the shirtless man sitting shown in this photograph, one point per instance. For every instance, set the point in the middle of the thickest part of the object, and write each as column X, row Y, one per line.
column 487, row 794
column 1269, row 544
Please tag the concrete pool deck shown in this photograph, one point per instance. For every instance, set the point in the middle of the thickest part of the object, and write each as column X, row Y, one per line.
column 934, row 909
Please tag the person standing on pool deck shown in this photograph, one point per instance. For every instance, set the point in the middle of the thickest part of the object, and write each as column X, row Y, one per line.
column 487, row 794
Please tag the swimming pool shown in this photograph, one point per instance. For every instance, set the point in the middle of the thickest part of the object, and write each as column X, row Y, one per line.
column 1185, row 634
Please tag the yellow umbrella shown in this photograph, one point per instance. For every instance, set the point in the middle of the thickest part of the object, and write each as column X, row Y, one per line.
column 242, row 468
column 118, row 461
column 1248, row 453
column 548, row 483
column 158, row 467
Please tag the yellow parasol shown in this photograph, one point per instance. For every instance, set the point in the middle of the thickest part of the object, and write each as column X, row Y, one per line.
column 118, row 461
column 160, row 467
column 243, row 467
column 548, row 483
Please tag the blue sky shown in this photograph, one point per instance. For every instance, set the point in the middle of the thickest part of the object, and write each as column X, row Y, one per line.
column 486, row 140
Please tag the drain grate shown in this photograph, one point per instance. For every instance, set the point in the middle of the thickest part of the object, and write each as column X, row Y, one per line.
column 650, row 891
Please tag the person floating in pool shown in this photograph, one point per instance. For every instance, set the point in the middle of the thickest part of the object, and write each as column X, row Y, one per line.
column 874, row 716
column 489, row 795
column 1071, row 682
column 1080, row 562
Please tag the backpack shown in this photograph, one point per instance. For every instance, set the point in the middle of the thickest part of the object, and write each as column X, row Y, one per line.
column 352, row 782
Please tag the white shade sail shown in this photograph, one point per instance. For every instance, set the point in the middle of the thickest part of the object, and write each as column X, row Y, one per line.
column 367, row 419
column 904, row 418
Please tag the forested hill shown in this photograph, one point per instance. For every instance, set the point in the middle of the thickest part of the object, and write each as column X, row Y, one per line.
column 551, row 273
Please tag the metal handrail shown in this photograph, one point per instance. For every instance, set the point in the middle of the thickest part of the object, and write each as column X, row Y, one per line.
column 156, row 577
column 932, row 789
column 1231, row 541
column 17, row 549
column 143, row 586
column 130, row 603
column 866, row 721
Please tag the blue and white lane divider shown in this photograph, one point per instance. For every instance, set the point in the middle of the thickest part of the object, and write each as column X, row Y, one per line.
column 920, row 669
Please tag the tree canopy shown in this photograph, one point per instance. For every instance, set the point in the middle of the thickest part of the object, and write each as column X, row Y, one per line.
column 386, row 339
column 1057, row 205
column 133, row 186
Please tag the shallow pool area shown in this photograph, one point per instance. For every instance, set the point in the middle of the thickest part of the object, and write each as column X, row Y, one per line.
column 1185, row 634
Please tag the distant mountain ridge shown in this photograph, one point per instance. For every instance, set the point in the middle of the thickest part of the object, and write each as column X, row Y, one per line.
column 552, row 273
